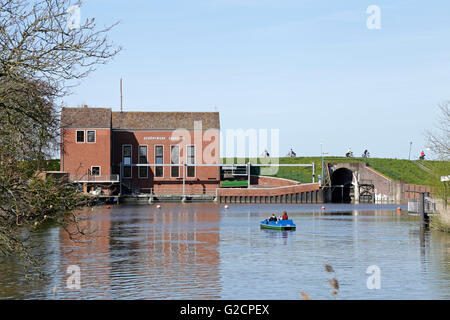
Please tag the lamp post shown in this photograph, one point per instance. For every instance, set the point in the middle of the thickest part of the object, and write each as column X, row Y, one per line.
column 410, row 147
column 321, row 154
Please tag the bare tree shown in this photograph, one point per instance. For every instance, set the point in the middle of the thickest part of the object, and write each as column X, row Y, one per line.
column 37, row 42
column 439, row 139
column 41, row 57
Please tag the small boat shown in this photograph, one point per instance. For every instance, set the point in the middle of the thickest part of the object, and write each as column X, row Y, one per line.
column 278, row 225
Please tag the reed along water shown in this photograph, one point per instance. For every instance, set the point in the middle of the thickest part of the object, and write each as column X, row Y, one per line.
column 202, row 251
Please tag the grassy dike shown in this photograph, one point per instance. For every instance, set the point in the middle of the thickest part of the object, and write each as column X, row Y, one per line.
column 414, row 172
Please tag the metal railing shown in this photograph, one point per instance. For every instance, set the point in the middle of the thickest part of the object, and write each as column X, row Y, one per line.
column 91, row 178
column 188, row 190
column 430, row 206
column 173, row 191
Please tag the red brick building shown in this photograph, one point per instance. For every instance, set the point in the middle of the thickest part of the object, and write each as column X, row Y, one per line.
column 157, row 149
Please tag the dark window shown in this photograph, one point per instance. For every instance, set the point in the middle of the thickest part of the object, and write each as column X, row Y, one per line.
column 127, row 172
column 142, row 154
column 91, row 136
column 95, row 171
column 190, row 160
column 143, row 171
column 80, row 136
column 175, row 159
column 159, row 159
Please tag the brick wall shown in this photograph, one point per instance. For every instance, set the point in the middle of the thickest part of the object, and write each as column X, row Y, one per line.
column 206, row 152
column 78, row 158
column 256, row 192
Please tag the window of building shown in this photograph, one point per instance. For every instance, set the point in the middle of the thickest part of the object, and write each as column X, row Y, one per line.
column 80, row 136
column 159, row 159
column 175, row 159
column 143, row 171
column 95, row 171
column 91, row 136
column 190, row 160
column 126, row 159
column 126, row 172
column 126, row 154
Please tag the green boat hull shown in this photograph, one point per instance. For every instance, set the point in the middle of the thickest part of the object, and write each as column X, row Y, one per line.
column 263, row 226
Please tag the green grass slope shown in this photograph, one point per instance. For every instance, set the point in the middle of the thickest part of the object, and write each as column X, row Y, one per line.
column 403, row 170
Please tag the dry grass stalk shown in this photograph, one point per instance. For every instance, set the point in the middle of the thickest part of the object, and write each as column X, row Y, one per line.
column 305, row 296
column 334, row 283
column 329, row 268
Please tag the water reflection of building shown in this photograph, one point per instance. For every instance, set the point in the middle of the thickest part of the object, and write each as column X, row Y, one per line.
column 138, row 252
column 183, row 255
column 90, row 252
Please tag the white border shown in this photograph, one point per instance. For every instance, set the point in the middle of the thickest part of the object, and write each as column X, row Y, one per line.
column 187, row 157
column 99, row 171
column 139, row 155
column 179, row 160
column 95, row 136
column 154, row 158
column 84, row 136
column 131, row 160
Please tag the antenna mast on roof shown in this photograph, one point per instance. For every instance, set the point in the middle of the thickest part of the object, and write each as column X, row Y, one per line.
column 121, row 96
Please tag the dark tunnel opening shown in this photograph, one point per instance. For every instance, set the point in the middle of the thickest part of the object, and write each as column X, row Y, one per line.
column 341, row 182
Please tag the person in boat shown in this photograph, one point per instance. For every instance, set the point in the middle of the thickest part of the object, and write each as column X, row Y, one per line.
column 285, row 216
column 273, row 218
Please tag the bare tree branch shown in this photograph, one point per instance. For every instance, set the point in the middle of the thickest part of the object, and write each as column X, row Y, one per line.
column 439, row 139
column 40, row 59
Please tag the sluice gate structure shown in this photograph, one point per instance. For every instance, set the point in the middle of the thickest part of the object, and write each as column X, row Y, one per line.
column 358, row 182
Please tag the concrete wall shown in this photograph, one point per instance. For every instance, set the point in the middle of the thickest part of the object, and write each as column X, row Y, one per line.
column 271, row 182
column 56, row 175
column 307, row 193
column 270, row 191
column 387, row 190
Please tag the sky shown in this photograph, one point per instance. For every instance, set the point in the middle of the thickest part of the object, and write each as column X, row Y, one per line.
column 311, row 69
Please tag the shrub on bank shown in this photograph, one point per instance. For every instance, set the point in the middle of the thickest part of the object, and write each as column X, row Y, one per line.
column 441, row 222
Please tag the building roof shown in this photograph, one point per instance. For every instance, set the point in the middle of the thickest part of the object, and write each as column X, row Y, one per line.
column 86, row 118
column 164, row 120
column 104, row 118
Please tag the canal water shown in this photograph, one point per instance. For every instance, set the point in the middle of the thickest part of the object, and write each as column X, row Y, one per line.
column 202, row 251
